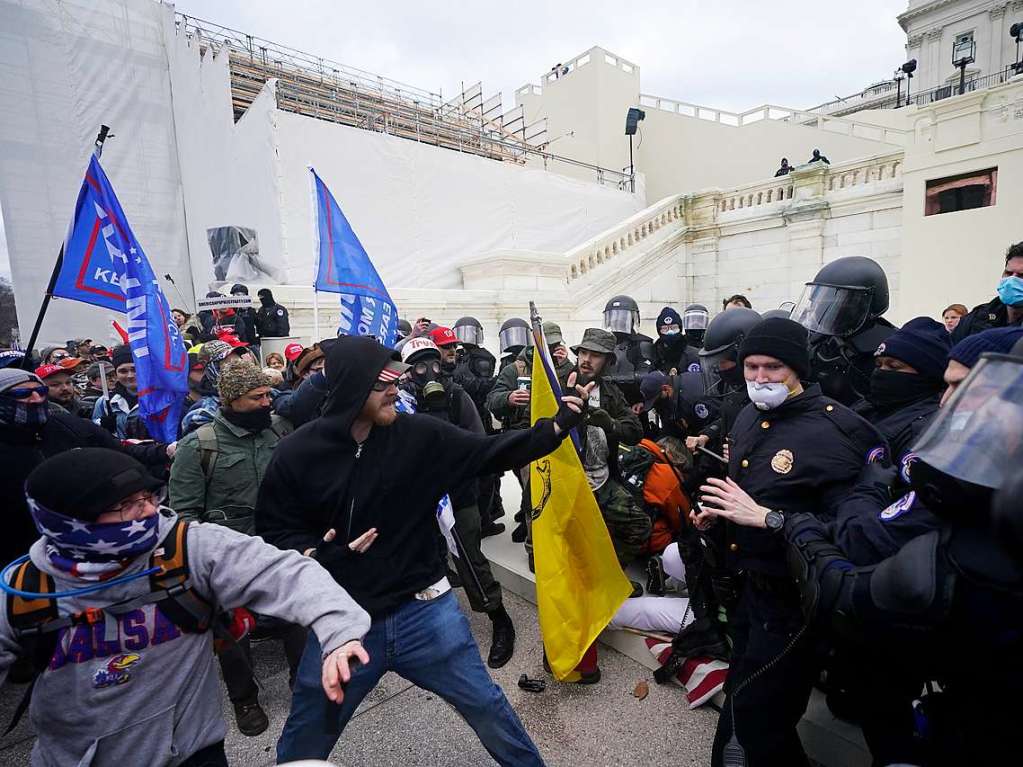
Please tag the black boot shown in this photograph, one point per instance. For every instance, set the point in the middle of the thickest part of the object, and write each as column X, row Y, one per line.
column 491, row 528
column 502, row 645
column 250, row 718
column 519, row 533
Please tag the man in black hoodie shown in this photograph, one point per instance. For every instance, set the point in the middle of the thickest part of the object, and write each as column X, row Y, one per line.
column 358, row 488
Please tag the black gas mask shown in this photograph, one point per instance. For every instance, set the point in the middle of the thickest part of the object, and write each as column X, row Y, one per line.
column 426, row 375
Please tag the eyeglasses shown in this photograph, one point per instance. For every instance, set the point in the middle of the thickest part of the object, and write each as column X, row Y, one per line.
column 21, row 392
column 135, row 506
column 56, row 356
column 379, row 386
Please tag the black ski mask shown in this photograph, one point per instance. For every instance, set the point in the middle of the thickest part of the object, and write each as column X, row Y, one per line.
column 253, row 420
column 890, row 389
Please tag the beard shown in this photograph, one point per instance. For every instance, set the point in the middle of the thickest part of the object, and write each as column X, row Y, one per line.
column 385, row 415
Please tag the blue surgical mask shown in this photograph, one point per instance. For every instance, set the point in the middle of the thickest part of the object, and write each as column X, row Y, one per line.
column 1010, row 291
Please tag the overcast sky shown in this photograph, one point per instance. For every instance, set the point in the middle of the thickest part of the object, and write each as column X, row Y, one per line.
column 730, row 55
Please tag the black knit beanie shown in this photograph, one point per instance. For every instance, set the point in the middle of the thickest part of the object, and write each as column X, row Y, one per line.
column 85, row 482
column 121, row 355
column 781, row 338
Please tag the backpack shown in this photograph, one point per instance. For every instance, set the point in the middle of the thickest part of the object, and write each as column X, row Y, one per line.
column 633, row 465
column 209, row 448
column 36, row 623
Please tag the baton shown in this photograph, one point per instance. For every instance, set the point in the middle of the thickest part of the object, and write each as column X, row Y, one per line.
column 712, row 454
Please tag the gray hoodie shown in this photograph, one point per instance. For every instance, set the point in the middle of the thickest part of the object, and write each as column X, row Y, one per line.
column 151, row 695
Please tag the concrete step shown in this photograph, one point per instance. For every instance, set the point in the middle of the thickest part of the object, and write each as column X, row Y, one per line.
column 828, row 740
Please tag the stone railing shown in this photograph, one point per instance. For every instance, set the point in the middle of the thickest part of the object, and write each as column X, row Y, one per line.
column 615, row 243
column 836, row 178
column 833, row 124
column 596, row 53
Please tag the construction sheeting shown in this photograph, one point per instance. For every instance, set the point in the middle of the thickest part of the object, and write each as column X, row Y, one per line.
column 420, row 211
column 65, row 68
column 181, row 167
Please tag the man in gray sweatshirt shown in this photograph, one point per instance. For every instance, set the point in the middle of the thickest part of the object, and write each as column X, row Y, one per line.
column 125, row 680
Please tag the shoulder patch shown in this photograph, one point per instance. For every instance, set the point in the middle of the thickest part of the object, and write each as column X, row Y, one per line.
column 905, row 465
column 877, row 454
column 280, row 312
column 701, row 410
column 900, row 507
column 694, row 367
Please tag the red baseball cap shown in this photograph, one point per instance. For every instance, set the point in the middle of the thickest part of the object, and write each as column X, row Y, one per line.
column 45, row 371
column 443, row 336
column 292, row 352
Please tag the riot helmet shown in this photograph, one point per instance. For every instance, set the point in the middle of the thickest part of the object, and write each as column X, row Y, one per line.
column 695, row 317
column 785, row 314
column 725, row 334
column 514, row 336
column 970, row 448
column 468, row 331
column 621, row 315
column 843, row 298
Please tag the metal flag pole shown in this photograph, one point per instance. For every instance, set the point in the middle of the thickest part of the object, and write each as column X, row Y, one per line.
column 26, row 362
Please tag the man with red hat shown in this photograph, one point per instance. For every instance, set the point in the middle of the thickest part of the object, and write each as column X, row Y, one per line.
column 57, row 378
column 446, row 340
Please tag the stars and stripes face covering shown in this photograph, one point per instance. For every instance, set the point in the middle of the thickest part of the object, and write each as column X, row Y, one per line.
column 89, row 550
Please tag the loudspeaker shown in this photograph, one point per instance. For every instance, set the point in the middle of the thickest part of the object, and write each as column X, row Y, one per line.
column 632, row 119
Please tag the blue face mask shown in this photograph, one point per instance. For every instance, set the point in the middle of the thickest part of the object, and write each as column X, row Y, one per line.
column 1010, row 291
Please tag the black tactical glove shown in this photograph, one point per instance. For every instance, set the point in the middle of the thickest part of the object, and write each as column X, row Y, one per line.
column 818, row 566
column 568, row 419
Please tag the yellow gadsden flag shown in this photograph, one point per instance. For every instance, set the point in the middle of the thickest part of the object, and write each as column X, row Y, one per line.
column 579, row 584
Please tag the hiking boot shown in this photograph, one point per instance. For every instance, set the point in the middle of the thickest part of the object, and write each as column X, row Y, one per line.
column 519, row 533
column 656, row 580
column 637, row 590
column 502, row 643
column 250, row 718
column 491, row 528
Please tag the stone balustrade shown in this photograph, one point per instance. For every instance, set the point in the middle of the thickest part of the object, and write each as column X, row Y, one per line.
column 836, row 178
column 614, row 243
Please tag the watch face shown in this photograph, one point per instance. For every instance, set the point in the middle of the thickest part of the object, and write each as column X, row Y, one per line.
column 774, row 520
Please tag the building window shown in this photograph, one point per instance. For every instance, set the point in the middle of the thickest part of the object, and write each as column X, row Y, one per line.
column 963, row 192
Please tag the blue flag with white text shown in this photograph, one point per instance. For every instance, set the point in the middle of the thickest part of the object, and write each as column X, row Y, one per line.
column 344, row 268
column 104, row 265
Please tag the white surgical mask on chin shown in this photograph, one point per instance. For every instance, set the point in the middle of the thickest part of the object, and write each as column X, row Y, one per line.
column 767, row 396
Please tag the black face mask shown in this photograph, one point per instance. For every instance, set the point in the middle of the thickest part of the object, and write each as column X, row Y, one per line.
column 695, row 338
column 891, row 389
column 254, row 420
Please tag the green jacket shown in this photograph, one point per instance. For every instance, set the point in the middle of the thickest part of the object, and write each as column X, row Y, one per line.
column 517, row 417
column 217, row 470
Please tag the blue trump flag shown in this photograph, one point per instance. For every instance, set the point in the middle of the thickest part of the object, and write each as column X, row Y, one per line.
column 104, row 265
column 345, row 268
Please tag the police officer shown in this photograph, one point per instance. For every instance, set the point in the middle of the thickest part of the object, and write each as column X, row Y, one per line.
column 954, row 594
column 245, row 318
column 680, row 403
column 722, row 373
column 672, row 355
column 476, row 373
column 438, row 396
column 906, row 384
column 514, row 336
column 695, row 320
column 634, row 352
column 842, row 309
column 272, row 318
column 793, row 449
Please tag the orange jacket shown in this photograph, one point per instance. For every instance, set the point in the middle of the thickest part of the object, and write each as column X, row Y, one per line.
column 663, row 490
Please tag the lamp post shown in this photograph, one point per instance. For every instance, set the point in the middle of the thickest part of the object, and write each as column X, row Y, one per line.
column 964, row 52
column 632, row 120
column 908, row 68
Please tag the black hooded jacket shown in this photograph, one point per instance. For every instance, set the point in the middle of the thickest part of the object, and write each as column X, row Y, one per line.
column 319, row 479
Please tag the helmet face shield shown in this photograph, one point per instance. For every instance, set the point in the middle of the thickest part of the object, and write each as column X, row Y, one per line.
column 515, row 336
column 469, row 334
column 695, row 319
column 710, row 366
column 621, row 320
column 832, row 310
column 978, row 435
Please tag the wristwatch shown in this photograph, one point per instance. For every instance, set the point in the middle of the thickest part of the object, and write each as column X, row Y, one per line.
column 774, row 521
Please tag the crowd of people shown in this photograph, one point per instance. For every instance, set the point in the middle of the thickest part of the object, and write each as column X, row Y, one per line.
column 806, row 496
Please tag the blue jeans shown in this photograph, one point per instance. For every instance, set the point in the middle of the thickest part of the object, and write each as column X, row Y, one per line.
column 429, row 644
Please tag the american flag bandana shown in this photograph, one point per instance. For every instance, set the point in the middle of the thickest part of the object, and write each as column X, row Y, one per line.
column 79, row 542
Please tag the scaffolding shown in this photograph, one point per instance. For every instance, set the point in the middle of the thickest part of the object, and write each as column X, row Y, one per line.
column 327, row 90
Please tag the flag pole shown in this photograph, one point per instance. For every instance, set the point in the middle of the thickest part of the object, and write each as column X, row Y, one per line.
column 26, row 362
column 316, row 315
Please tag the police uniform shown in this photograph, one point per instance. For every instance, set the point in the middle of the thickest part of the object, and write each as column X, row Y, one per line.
column 476, row 374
